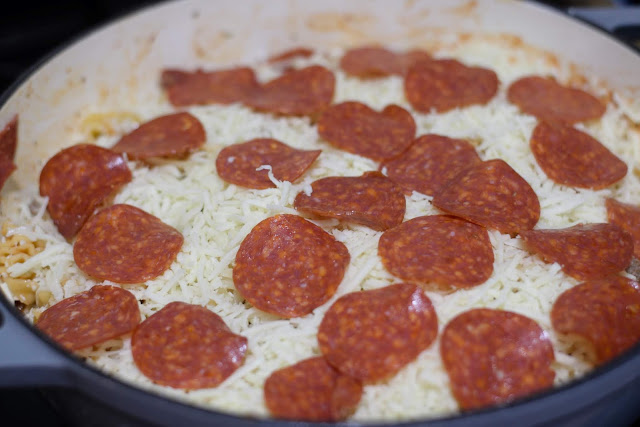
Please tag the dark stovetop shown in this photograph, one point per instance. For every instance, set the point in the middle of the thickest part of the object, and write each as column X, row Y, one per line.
column 31, row 29
column 27, row 408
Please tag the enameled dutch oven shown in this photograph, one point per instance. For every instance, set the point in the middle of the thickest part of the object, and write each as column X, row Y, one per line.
column 111, row 67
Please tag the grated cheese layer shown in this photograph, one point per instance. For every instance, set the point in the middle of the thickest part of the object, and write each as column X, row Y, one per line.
column 214, row 218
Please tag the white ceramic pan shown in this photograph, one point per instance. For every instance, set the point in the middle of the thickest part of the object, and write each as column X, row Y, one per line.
column 119, row 65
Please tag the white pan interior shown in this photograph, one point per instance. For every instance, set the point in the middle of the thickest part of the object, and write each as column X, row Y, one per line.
column 117, row 67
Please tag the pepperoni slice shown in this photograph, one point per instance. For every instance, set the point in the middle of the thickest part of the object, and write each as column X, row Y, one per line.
column 173, row 135
column 550, row 101
column 304, row 92
column 626, row 217
column 573, row 158
column 237, row 163
column 429, row 163
column 445, row 84
column 215, row 87
column 287, row 55
column 604, row 312
column 91, row 317
column 440, row 251
column 311, row 390
column 584, row 251
column 9, row 139
column 371, row 199
column 371, row 61
column 6, row 169
column 371, row 335
column 356, row 128
column 125, row 244
column 8, row 144
column 187, row 346
column 491, row 194
column 288, row 266
column 79, row 179
column 494, row 356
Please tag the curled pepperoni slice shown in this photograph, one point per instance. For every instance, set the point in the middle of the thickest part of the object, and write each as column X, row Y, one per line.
column 494, row 356
column 371, row 335
column 304, row 92
column 215, row 87
column 440, row 251
column 187, row 346
column 356, row 128
column 288, row 266
column 91, row 317
column 8, row 144
column 446, row 84
column 125, row 244
column 604, row 312
column 550, row 101
column 584, row 251
column 573, row 158
column 491, row 194
column 429, row 163
column 371, row 199
column 173, row 135
column 9, row 139
column 237, row 163
column 79, row 179
column 371, row 61
column 626, row 217
column 311, row 390
column 287, row 55
column 6, row 169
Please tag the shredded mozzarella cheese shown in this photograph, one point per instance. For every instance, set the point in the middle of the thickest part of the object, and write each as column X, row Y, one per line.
column 214, row 218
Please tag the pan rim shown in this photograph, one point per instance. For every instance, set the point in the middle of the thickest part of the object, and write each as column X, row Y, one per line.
column 82, row 370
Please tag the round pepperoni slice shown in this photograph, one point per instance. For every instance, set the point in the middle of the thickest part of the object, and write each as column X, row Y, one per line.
column 187, row 346
column 174, row 135
column 573, row 158
column 304, row 92
column 604, row 312
column 215, row 87
column 311, row 390
column 626, row 217
column 550, row 101
column 9, row 139
column 584, row 251
column 125, row 244
column 356, row 128
column 429, row 163
column 79, row 179
column 491, row 194
column 439, row 251
column 371, row 335
column 494, row 356
column 237, row 163
column 288, row 266
column 445, row 84
column 371, row 199
column 371, row 61
column 288, row 55
column 91, row 317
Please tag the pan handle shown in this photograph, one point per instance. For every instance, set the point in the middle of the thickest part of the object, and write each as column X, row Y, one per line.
column 25, row 358
column 608, row 18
